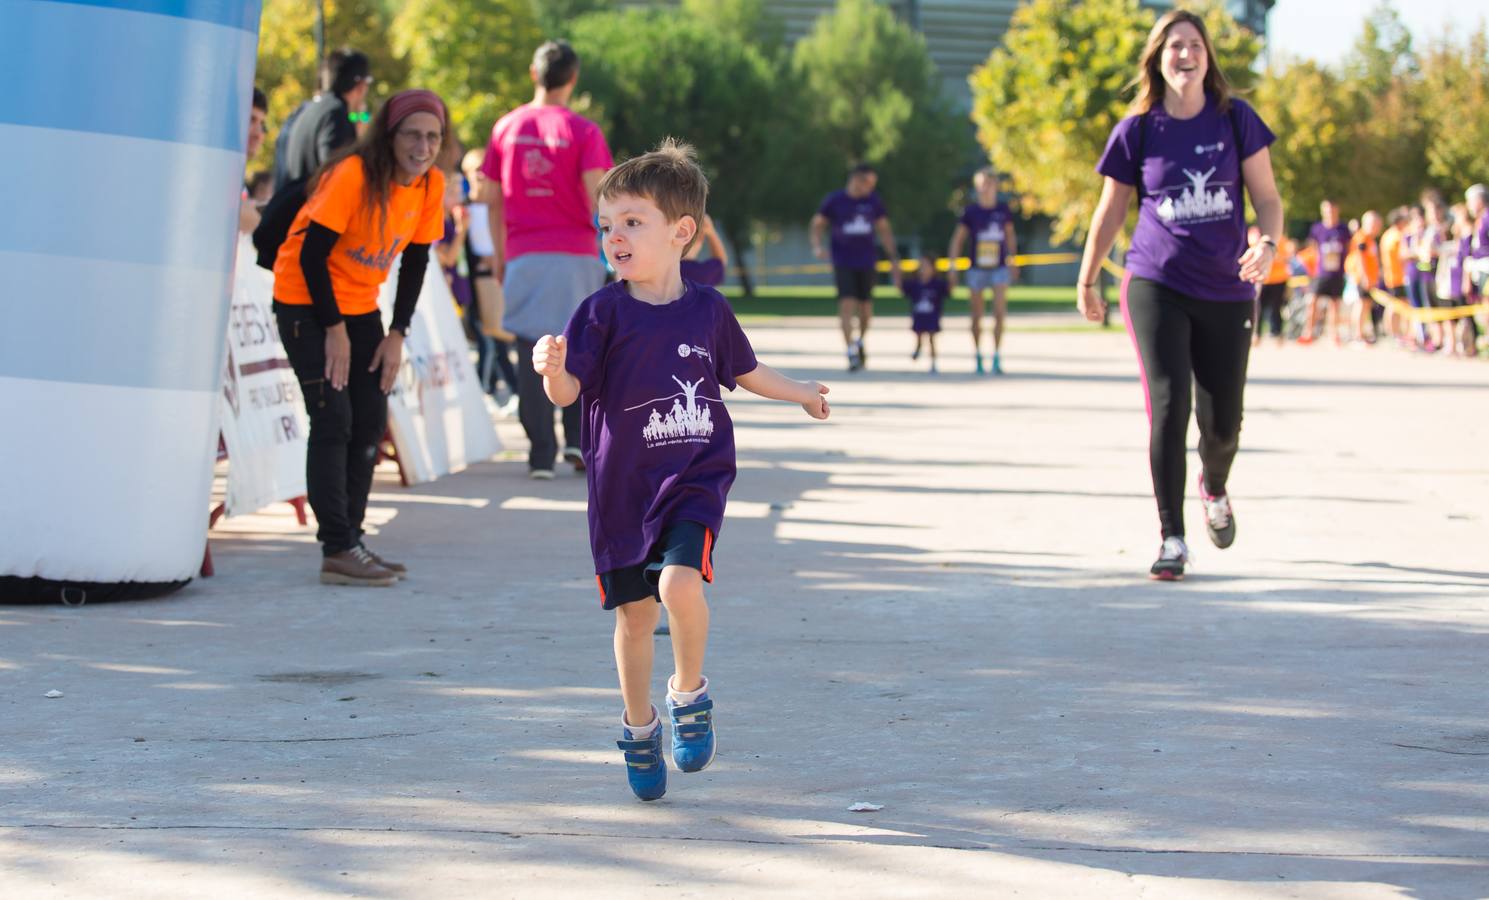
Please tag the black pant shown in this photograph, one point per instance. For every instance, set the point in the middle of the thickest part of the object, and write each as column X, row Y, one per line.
column 1271, row 301
column 536, row 412
column 345, row 425
column 1182, row 341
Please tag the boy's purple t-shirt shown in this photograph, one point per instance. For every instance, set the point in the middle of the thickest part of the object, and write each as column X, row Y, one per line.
column 991, row 229
column 1191, row 223
column 927, row 300
column 1333, row 246
column 852, row 220
column 658, row 443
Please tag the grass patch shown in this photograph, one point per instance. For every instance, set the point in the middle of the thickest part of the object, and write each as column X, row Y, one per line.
column 771, row 301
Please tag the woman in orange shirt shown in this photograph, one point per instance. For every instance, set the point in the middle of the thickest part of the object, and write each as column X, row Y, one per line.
column 378, row 200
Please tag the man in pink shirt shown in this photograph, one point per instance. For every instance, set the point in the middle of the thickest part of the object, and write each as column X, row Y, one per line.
column 542, row 167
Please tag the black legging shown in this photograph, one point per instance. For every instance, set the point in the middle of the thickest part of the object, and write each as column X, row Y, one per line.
column 1182, row 341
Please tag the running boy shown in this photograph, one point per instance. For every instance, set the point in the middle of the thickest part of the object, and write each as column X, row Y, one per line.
column 927, row 296
column 989, row 222
column 647, row 356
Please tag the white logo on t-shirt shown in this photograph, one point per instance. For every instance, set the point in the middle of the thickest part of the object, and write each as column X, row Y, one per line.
column 687, row 422
column 1195, row 202
column 859, row 224
column 1200, row 149
column 685, row 351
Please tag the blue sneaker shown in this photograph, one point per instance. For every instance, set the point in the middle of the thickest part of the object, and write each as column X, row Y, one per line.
column 646, row 770
column 997, row 364
column 692, row 733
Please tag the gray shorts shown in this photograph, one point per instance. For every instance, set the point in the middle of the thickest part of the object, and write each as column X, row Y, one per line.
column 981, row 279
column 542, row 290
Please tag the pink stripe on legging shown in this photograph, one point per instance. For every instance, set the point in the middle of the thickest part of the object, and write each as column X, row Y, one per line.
column 1141, row 370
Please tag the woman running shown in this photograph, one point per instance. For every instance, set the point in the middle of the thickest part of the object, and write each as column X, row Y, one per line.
column 1187, row 151
column 378, row 200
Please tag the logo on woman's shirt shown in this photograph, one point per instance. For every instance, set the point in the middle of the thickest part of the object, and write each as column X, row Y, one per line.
column 1195, row 202
column 380, row 260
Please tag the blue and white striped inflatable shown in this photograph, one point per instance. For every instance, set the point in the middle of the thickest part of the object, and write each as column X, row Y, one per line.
column 124, row 124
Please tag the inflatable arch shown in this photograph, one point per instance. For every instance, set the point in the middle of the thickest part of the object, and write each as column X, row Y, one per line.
column 124, row 125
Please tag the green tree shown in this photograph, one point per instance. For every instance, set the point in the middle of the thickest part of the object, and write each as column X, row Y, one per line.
column 1453, row 99
column 874, row 96
column 1047, row 99
column 473, row 53
column 656, row 74
column 287, row 67
column 1306, row 106
column 556, row 17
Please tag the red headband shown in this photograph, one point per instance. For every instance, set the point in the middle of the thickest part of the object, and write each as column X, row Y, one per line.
column 405, row 103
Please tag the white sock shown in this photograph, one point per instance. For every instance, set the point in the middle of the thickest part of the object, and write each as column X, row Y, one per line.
column 642, row 732
column 683, row 698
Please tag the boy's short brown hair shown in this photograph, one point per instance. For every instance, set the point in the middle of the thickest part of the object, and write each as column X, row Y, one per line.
column 668, row 176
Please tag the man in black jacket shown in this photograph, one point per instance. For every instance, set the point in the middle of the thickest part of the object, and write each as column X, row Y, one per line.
column 323, row 124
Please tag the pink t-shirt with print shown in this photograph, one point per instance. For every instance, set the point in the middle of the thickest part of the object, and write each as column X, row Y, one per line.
column 539, row 155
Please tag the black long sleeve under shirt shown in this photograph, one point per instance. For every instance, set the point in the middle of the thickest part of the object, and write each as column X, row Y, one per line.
column 316, row 251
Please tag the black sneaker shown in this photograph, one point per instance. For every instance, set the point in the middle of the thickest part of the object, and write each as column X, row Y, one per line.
column 1220, row 520
column 1172, row 557
column 574, row 457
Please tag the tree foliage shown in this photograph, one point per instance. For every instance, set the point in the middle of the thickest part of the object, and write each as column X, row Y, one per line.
column 656, row 74
column 1385, row 123
column 1046, row 100
column 287, row 67
column 1453, row 99
column 873, row 95
column 473, row 53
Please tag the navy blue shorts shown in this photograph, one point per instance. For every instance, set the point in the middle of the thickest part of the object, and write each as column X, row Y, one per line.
column 682, row 544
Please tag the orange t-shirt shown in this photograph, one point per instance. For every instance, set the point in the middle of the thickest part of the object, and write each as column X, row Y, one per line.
column 1363, row 262
column 1392, row 265
column 367, row 247
column 1280, row 273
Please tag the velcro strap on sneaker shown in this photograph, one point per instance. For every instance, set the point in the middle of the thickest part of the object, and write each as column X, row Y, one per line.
column 692, row 729
column 692, row 709
column 648, row 745
column 641, row 760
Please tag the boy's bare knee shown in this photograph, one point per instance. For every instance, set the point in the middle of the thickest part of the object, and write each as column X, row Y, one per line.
column 639, row 618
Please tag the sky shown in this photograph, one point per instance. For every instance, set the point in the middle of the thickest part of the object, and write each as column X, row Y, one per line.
column 1323, row 30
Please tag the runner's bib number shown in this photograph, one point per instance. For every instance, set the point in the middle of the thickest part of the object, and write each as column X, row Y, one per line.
column 989, row 254
column 1331, row 261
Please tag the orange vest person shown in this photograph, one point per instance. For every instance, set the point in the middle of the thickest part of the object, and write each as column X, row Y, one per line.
column 377, row 201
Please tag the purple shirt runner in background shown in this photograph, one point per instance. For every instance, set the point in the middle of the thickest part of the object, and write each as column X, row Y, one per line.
column 658, row 443
column 1191, row 226
column 927, row 300
column 991, row 229
column 853, row 228
column 1333, row 244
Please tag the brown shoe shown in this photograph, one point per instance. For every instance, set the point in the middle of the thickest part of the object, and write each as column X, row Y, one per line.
column 355, row 567
column 398, row 569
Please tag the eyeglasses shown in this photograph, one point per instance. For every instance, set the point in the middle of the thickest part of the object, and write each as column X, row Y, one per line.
column 414, row 136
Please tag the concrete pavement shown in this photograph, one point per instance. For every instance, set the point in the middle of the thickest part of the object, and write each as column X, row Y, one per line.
column 935, row 602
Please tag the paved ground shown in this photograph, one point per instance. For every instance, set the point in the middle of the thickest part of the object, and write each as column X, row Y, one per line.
column 934, row 602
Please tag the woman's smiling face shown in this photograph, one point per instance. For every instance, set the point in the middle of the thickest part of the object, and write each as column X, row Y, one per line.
column 1184, row 61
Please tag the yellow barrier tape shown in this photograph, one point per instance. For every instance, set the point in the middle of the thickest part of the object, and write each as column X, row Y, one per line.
column 1433, row 314
column 942, row 264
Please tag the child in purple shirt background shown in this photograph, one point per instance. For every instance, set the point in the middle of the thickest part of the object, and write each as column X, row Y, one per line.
column 647, row 357
column 927, row 294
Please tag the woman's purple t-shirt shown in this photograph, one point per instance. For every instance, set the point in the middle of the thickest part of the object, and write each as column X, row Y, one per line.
column 658, row 443
column 1333, row 246
column 852, row 220
column 927, row 300
column 1191, row 222
column 991, row 229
